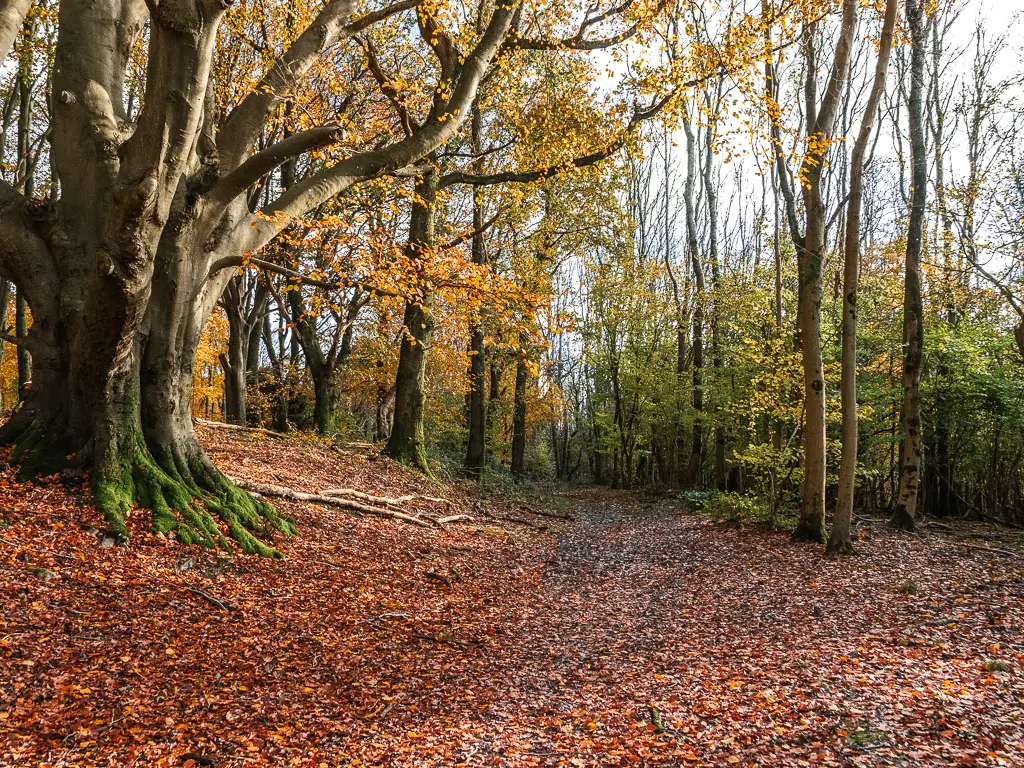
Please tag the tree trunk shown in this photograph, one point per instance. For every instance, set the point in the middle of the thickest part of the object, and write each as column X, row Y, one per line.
column 122, row 266
column 905, row 513
column 811, row 526
column 840, row 540
column 519, row 418
column 234, row 363
column 21, row 330
column 406, row 443
column 476, row 447
column 696, row 442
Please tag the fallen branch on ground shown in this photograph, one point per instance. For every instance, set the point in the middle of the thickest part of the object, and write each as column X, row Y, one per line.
column 240, row 428
column 993, row 550
column 279, row 491
column 454, row 519
column 542, row 513
column 224, row 605
column 16, row 545
column 352, row 493
column 517, row 520
column 439, row 577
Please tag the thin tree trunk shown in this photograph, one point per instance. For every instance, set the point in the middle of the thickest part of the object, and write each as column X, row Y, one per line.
column 905, row 514
column 476, row 447
column 840, row 541
column 696, row 442
column 519, row 418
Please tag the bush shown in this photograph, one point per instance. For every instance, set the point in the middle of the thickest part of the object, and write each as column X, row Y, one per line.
column 737, row 508
column 695, row 499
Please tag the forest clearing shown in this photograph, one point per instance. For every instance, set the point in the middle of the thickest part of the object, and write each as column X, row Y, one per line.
column 511, row 383
column 613, row 630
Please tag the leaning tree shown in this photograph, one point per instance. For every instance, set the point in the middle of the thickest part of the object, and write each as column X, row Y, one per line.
column 149, row 217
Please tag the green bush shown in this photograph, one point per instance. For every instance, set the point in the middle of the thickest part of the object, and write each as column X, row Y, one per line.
column 737, row 508
column 695, row 499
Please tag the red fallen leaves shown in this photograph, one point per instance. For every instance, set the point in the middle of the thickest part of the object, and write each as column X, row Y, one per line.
column 546, row 650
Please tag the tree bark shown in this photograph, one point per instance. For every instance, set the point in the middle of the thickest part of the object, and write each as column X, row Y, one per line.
column 693, row 470
column 519, row 418
column 840, row 540
column 406, row 443
column 810, row 253
column 476, row 447
column 905, row 513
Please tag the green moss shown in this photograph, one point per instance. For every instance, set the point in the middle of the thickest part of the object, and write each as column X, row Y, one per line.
column 865, row 738
column 187, row 499
column 187, row 496
column 997, row 665
column 810, row 530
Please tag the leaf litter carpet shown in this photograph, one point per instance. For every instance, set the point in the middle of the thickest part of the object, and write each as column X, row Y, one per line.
column 634, row 634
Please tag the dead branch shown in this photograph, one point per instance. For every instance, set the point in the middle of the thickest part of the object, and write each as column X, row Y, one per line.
column 542, row 513
column 36, row 551
column 382, row 500
column 438, row 577
column 224, row 605
column 454, row 519
column 239, row 428
column 279, row 491
column 993, row 550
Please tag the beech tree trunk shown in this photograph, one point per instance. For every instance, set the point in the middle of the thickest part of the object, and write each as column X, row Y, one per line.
column 905, row 513
column 245, row 305
column 693, row 470
column 810, row 248
column 406, row 443
column 123, row 266
column 476, row 445
column 840, row 540
column 519, row 418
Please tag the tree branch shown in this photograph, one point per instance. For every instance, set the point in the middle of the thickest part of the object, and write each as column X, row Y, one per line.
column 525, row 177
column 230, row 262
column 12, row 16
column 246, row 120
column 262, row 163
column 441, row 126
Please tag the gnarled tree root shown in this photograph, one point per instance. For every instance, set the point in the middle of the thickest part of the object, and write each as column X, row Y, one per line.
column 187, row 496
column 186, row 493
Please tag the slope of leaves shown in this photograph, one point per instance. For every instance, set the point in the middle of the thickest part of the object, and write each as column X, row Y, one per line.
column 634, row 635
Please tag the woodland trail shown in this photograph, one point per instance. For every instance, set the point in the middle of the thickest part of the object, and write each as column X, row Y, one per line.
column 637, row 634
column 659, row 639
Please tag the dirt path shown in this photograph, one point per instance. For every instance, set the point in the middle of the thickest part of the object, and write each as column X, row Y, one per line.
column 750, row 650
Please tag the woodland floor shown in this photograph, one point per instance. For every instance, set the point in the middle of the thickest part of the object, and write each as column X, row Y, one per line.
column 498, row 643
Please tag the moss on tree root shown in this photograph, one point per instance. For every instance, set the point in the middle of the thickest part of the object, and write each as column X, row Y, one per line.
column 810, row 529
column 187, row 496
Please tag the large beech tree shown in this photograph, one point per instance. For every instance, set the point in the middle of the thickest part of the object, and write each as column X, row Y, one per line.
column 123, row 263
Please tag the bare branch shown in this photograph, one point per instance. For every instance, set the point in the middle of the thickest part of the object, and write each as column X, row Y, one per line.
column 330, row 27
column 262, row 163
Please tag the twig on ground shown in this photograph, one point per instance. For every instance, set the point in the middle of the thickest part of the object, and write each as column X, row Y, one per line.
column 224, row 605
column 439, row 577
column 16, row 545
column 993, row 550
column 454, row 519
